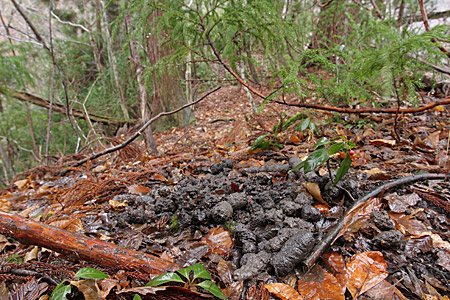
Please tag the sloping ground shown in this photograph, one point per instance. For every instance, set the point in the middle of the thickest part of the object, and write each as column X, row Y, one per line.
column 242, row 213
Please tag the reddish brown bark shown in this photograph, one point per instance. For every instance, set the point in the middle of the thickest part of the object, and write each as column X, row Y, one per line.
column 366, row 110
column 80, row 247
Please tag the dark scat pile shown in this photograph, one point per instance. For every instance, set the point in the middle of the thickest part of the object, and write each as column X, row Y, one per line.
column 275, row 225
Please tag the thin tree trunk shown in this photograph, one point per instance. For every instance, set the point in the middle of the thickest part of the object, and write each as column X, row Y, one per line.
column 95, row 50
column 113, row 61
column 7, row 162
column 167, row 91
column 145, row 114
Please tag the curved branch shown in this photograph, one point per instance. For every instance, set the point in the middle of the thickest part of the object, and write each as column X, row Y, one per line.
column 366, row 110
column 137, row 133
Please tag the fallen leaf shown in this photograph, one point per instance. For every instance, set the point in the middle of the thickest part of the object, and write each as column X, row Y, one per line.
column 382, row 142
column 314, row 190
column 138, row 189
column 283, row 291
column 117, row 204
column 385, row 290
column 219, row 241
column 408, row 225
column 89, row 288
column 30, row 255
column 444, row 259
column 364, row 271
column 159, row 177
column 318, row 284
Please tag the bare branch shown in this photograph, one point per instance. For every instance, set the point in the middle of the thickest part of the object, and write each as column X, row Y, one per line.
column 137, row 133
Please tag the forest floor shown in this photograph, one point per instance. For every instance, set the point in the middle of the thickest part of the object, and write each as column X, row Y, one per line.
column 242, row 213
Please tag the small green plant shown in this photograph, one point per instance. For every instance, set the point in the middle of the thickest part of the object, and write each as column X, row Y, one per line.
column 324, row 150
column 191, row 277
column 174, row 225
column 62, row 290
column 15, row 258
column 265, row 141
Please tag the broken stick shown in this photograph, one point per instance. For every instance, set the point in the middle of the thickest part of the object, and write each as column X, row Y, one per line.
column 81, row 247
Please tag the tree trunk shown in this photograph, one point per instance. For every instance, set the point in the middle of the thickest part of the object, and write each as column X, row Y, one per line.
column 113, row 61
column 167, row 91
column 145, row 114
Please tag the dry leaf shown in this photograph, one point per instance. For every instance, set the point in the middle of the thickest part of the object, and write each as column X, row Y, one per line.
column 89, row 288
column 382, row 142
column 283, row 291
column 30, row 255
column 314, row 190
column 117, row 204
column 138, row 189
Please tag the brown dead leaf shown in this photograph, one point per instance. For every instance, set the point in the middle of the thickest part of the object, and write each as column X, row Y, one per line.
column 89, row 288
column 143, row 290
column 377, row 174
column 361, row 211
column 314, row 190
column 444, row 259
column 336, row 264
column 136, row 189
column 383, row 142
column 225, row 271
column 318, row 284
column 364, row 271
column 21, row 184
column 417, row 245
column 159, row 177
column 117, row 204
column 74, row 225
column 408, row 225
column 234, row 290
column 106, row 285
column 219, row 241
column 400, row 203
column 30, row 255
column 283, row 291
column 385, row 290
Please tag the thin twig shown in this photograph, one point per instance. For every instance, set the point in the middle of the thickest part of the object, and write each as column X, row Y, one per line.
column 137, row 133
column 427, row 28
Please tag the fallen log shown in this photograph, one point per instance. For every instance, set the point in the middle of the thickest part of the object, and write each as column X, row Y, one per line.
column 77, row 246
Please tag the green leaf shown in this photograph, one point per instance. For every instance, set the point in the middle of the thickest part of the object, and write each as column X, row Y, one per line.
column 343, row 168
column 312, row 127
column 164, row 278
column 60, row 292
column 90, row 273
column 315, row 159
column 212, row 288
column 185, row 272
column 137, row 297
column 261, row 142
column 321, row 142
column 336, row 148
column 299, row 166
column 200, row 272
column 305, row 124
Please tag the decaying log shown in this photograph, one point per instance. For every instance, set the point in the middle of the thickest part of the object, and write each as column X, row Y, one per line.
column 77, row 246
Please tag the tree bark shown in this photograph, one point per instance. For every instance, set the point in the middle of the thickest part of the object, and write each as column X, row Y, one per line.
column 77, row 246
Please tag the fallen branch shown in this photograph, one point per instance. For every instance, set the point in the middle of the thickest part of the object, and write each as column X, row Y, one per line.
column 320, row 248
column 365, row 110
column 137, row 133
column 80, row 247
column 60, row 108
